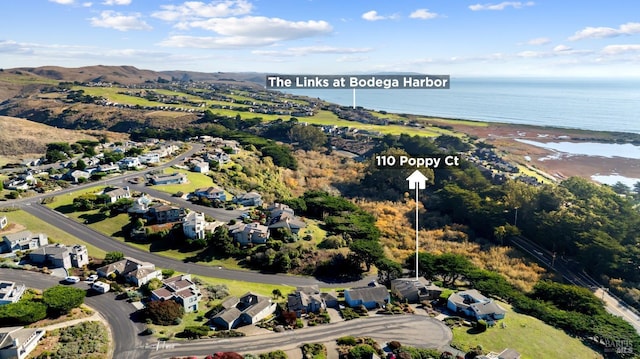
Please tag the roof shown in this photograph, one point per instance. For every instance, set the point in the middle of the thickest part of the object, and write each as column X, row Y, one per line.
column 162, row 293
column 230, row 302
column 460, row 299
column 487, row 308
column 186, row 293
column 229, row 315
column 178, row 282
column 369, row 294
column 125, row 266
column 209, row 190
column 18, row 236
column 256, row 308
column 117, row 192
column 9, row 334
column 54, row 250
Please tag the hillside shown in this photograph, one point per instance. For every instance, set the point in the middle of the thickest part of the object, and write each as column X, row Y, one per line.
column 19, row 137
column 126, row 75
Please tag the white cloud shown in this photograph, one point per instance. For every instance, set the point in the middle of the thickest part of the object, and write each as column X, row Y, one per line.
column 191, row 10
column 87, row 4
column 309, row 50
column 424, row 14
column 352, row 59
column 262, row 29
column 620, row 49
column 561, row 48
column 63, row 2
column 118, row 21
column 501, row 6
column 603, row 32
column 539, row 41
column 374, row 16
column 117, row 2
column 213, row 42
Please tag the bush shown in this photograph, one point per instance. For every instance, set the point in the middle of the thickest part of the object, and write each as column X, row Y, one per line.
column 22, row 313
column 394, row 345
column 481, row 326
column 278, row 354
column 361, row 351
column 348, row 340
column 195, row 332
column 61, row 299
column 314, row 350
column 348, row 314
column 299, row 323
column 163, row 312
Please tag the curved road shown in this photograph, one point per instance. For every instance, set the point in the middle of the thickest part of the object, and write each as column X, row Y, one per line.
column 127, row 343
column 414, row 330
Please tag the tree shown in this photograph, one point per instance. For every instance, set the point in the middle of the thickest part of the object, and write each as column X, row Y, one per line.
column 388, row 270
column 276, row 293
column 163, row 312
column 112, row 257
column 451, row 267
column 22, row 312
column 81, row 165
column 308, row 137
column 361, row 351
column 367, row 251
column 61, row 299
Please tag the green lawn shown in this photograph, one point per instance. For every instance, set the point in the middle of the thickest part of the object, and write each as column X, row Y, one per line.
column 35, row 224
column 63, row 203
column 196, row 180
column 529, row 336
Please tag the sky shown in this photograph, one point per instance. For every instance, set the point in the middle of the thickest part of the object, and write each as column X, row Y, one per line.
column 543, row 38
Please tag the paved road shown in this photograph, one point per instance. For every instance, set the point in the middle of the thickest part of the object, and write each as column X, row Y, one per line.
column 127, row 343
column 414, row 330
column 108, row 244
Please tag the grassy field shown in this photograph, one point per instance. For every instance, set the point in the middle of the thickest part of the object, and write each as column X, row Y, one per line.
column 529, row 336
column 37, row 225
column 196, row 180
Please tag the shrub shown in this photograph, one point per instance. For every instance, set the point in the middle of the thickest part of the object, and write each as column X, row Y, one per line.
column 361, row 351
column 394, row 345
column 299, row 323
column 481, row 326
column 22, row 313
column 61, row 299
column 195, row 332
column 348, row 340
column 163, row 312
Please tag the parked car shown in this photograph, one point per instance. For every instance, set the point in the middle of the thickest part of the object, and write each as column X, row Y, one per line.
column 92, row 278
column 71, row 279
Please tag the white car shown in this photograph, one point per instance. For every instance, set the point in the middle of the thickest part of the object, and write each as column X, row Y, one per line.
column 72, row 279
column 92, row 278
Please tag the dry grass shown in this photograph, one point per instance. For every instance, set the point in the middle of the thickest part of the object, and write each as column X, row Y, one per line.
column 317, row 171
column 19, row 136
column 398, row 238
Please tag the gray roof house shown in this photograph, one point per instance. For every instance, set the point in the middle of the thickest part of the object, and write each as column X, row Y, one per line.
column 116, row 194
column 134, row 271
column 252, row 233
column 472, row 303
column 10, row 292
column 414, row 290
column 60, row 256
column 174, row 178
column 248, row 309
column 22, row 241
column 371, row 297
column 18, row 342
column 180, row 289
column 309, row 299
column 249, row 199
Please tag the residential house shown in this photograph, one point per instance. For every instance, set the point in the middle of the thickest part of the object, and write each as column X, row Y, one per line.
column 282, row 216
column 162, row 213
column 200, row 166
column 180, row 289
column 252, row 233
column 108, row 168
column 414, row 290
column 130, row 162
column 60, row 256
column 505, row 354
column 472, row 303
column 371, row 297
column 18, row 342
column 173, row 178
column 77, row 176
column 150, row 157
column 195, row 226
column 249, row 199
column 22, row 241
column 248, row 309
column 211, row 193
column 309, row 299
column 3, row 222
column 116, row 194
column 132, row 270
column 218, row 156
column 10, row 292
column 140, row 205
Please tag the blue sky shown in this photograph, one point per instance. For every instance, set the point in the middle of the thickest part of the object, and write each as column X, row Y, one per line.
column 457, row 37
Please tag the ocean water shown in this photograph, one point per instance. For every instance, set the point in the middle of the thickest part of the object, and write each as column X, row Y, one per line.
column 591, row 104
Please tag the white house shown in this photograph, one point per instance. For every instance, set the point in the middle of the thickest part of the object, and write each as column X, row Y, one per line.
column 129, row 162
column 116, row 194
column 195, row 226
column 211, row 193
column 200, row 166
column 132, row 270
column 60, row 256
column 23, row 241
column 472, row 303
column 180, row 289
column 151, row 157
column 10, row 292
column 252, row 233
column 248, row 309
column 18, row 342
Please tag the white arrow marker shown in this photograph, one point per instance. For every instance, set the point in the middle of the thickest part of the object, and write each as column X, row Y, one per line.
column 417, row 181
